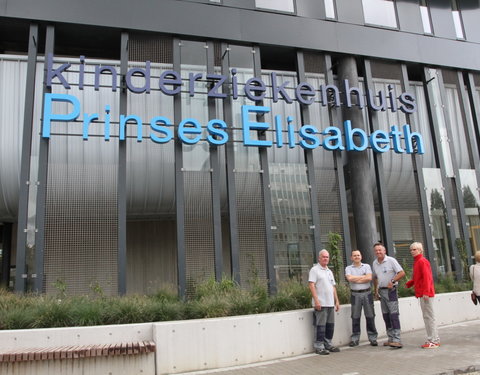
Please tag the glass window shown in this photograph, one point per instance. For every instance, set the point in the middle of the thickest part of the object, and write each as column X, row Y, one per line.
column 281, row 5
column 457, row 20
column 330, row 9
column 426, row 20
column 380, row 12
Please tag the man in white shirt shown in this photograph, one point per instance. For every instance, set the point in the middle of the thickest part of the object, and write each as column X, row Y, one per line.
column 324, row 301
column 359, row 276
column 386, row 273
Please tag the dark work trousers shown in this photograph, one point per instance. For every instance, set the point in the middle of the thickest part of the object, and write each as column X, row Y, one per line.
column 358, row 301
column 324, row 323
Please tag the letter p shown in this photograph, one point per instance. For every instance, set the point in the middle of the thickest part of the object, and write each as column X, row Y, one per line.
column 48, row 116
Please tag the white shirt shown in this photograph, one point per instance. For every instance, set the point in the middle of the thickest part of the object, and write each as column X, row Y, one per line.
column 324, row 283
column 475, row 276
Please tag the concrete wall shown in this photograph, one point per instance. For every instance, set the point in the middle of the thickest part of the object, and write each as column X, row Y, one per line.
column 214, row 343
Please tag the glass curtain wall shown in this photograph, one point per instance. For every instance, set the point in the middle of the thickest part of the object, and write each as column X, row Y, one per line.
column 471, row 202
column 402, row 195
column 13, row 75
column 459, row 115
column 327, row 187
column 289, row 187
column 434, row 184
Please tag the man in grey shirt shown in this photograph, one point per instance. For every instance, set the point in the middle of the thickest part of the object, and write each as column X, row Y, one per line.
column 359, row 277
column 386, row 273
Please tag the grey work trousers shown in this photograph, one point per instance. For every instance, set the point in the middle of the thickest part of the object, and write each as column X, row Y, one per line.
column 390, row 312
column 358, row 301
column 324, row 323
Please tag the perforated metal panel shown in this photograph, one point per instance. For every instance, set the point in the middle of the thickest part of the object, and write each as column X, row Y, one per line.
column 329, row 208
column 145, row 47
column 199, row 242
column 81, row 228
column 251, row 227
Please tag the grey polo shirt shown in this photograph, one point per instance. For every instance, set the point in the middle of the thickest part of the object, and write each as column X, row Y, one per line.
column 361, row 270
column 384, row 272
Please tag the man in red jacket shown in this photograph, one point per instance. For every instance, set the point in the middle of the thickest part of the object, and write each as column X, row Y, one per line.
column 422, row 281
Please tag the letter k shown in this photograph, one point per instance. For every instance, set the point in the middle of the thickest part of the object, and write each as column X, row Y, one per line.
column 51, row 73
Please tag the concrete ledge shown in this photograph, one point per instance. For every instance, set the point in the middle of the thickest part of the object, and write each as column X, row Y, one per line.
column 194, row 345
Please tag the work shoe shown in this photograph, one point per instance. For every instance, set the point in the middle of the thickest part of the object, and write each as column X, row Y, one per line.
column 353, row 343
column 430, row 345
column 386, row 343
column 333, row 349
column 322, row 352
column 374, row 343
column 396, row 345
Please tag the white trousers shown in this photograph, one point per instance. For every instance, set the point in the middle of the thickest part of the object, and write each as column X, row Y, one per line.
column 429, row 318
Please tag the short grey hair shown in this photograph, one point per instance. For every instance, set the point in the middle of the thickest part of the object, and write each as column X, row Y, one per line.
column 417, row 245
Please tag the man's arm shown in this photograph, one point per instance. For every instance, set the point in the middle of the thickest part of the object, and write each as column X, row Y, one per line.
column 316, row 302
column 400, row 275
column 359, row 279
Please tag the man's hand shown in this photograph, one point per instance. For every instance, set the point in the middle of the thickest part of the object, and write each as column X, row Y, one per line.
column 337, row 306
column 317, row 306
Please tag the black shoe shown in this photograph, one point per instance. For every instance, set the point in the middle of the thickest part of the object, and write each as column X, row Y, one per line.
column 353, row 343
column 333, row 349
column 374, row 343
column 322, row 352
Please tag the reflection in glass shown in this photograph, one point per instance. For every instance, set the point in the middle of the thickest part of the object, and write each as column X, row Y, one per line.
column 437, row 108
column 471, row 202
column 330, row 9
column 380, row 12
column 457, row 21
column 457, row 127
column 426, row 22
column 438, row 219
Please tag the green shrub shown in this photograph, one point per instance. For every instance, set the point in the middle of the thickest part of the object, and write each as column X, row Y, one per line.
column 343, row 293
column 53, row 313
column 210, row 299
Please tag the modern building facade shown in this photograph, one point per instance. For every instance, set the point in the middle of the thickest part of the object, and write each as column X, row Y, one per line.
column 154, row 143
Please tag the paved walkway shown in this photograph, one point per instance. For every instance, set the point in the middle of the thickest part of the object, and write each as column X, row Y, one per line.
column 458, row 354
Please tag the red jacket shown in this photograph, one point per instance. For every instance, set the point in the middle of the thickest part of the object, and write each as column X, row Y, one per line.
column 422, row 277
